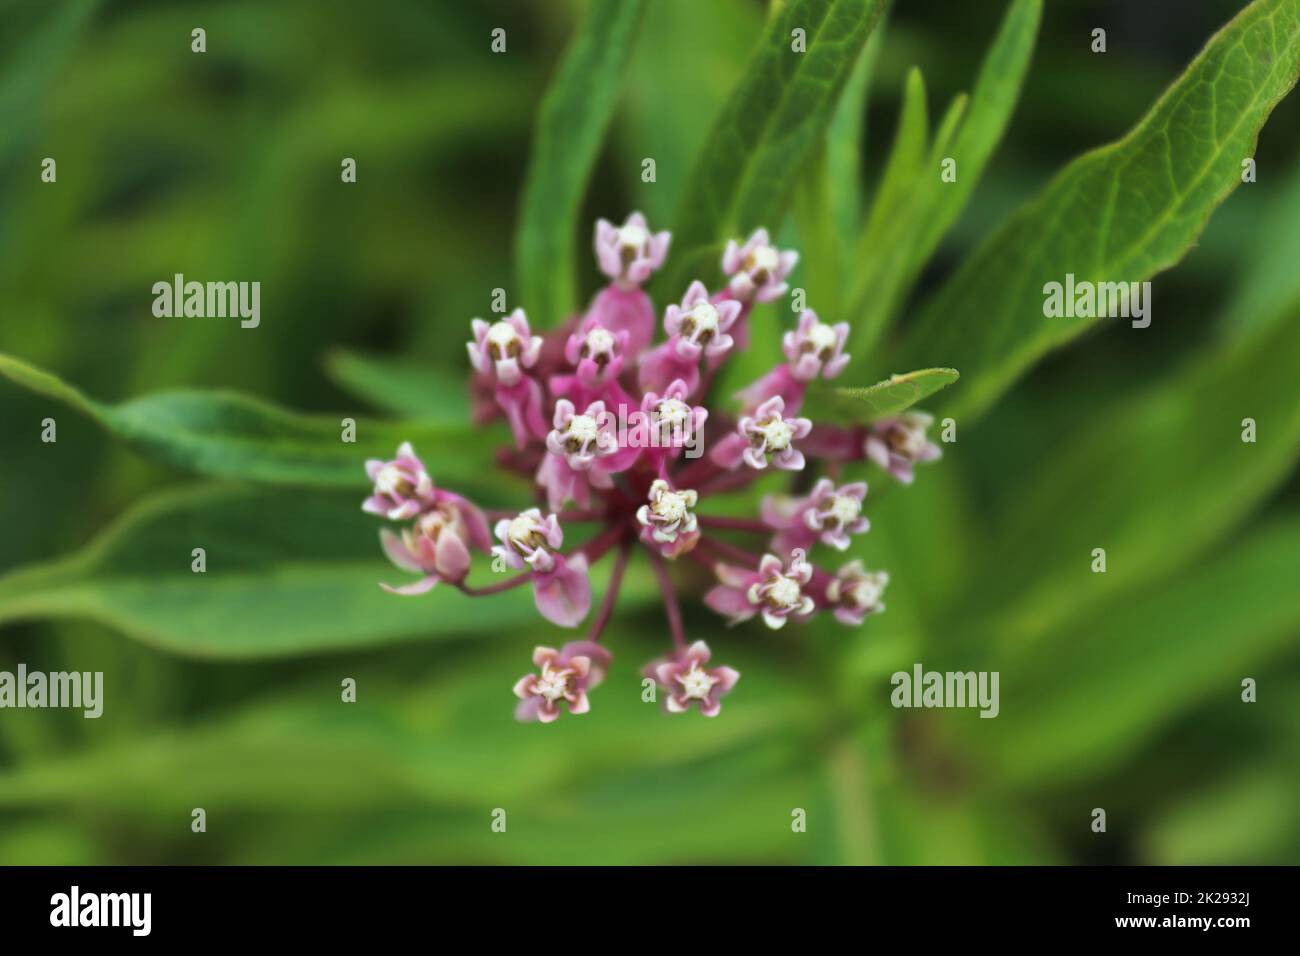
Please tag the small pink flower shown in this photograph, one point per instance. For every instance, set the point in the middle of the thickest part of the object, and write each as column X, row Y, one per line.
column 816, row 348
column 774, row 591
column 757, row 269
column 855, row 593
column 827, row 513
column 897, row 443
column 668, row 423
column 596, row 352
column 668, row 522
column 504, row 348
column 437, row 544
column 766, row 437
column 580, row 439
column 564, row 675
column 561, row 588
column 630, row 253
column 698, row 326
column 686, row 681
column 528, row 540
column 402, row 486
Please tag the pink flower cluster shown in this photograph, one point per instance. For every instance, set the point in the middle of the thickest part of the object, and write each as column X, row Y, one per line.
column 613, row 426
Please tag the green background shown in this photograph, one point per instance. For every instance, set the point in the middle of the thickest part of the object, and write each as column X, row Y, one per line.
column 1119, row 691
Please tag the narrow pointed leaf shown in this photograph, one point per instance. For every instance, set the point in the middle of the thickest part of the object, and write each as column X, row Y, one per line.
column 286, row 573
column 571, row 124
column 895, row 394
column 765, row 134
column 228, row 435
column 913, row 214
column 402, row 386
column 1118, row 214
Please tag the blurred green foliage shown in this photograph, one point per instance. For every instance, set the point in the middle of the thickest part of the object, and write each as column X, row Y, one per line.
column 1119, row 690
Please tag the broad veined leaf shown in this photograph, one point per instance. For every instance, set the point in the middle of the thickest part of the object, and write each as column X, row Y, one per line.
column 764, row 135
column 1094, row 691
column 402, row 386
column 287, row 572
column 571, row 124
column 895, row 394
column 228, row 435
column 915, row 206
column 1118, row 214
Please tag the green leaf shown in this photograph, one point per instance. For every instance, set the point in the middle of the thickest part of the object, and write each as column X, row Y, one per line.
column 844, row 142
column 904, row 167
column 1120, row 213
column 33, row 65
column 571, row 124
column 1154, row 484
column 1095, row 691
column 228, row 435
column 435, row 737
column 765, row 134
column 997, row 90
column 914, row 207
column 287, row 573
column 1269, row 286
column 818, row 237
column 421, row 390
column 895, row 394
column 1237, row 820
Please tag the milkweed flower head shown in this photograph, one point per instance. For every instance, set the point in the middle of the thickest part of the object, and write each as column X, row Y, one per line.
column 629, row 449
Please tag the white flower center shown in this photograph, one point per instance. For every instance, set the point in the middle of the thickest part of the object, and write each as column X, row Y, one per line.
column 553, row 684
column 674, row 412
column 764, row 259
column 822, row 337
column 391, row 480
column 705, row 318
column 502, row 335
column 911, row 441
column 845, row 509
column 866, row 592
column 632, row 237
column 777, row 434
column 599, row 340
column 784, row 592
column 522, row 530
column 671, row 506
column 583, row 429
column 696, row 683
